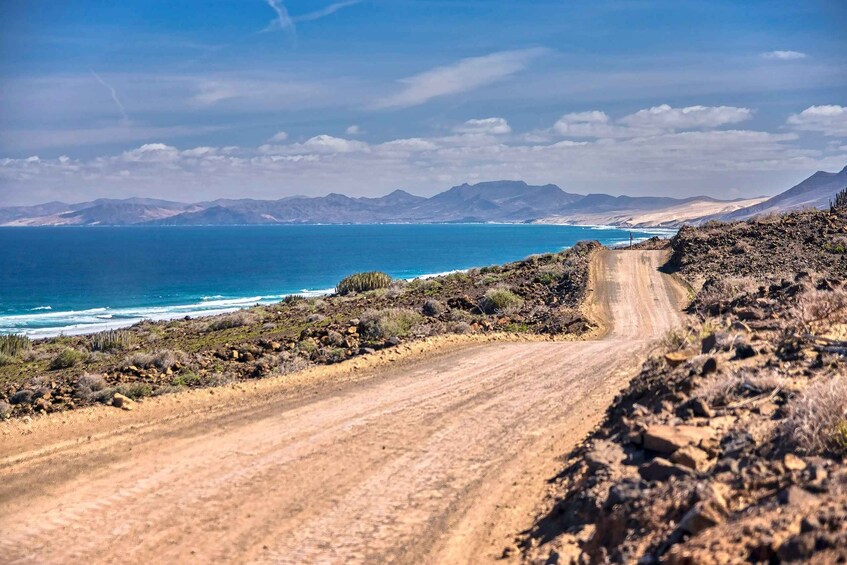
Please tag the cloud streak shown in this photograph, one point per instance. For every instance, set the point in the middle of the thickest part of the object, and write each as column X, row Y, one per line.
column 465, row 75
column 784, row 55
column 324, row 12
column 115, row 99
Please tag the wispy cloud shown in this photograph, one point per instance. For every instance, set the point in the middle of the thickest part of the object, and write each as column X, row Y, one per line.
column 282, row 21
column 784, row 55
column 322, row 13
column 115, row 99
column 465, row 75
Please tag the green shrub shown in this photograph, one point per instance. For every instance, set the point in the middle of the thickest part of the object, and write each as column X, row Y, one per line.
column 112, row 340
column 361, row 282
column 135, row 390
column 186, row 379
column 66, row 359
column 14, row 344
column 391, row 322
column 500, row 301
column 6, row 359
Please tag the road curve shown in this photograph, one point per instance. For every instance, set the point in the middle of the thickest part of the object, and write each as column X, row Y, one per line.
column 437, row 459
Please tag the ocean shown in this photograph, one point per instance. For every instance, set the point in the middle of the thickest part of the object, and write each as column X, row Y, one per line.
column 73, row 280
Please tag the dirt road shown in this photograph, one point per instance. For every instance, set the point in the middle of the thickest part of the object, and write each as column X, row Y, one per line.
column 435, row 459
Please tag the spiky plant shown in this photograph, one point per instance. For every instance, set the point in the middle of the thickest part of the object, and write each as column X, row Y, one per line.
column 112, row 340
column 14, row 344
column 840, row 200
column 361, row 282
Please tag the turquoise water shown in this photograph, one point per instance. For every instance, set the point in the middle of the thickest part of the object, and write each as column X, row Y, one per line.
column 77, row 280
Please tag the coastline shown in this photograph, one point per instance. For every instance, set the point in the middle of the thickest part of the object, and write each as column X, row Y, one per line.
column 48, row 321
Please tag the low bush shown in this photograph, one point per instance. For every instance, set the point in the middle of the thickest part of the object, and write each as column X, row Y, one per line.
column 92, row 388
column 818, row 310
column 432, row 308
column 6, row 359
column 163, row 359
column 500, row 301
column 66, row 359
column 391, row 322
column 14, row 344
column 234, row 320
column 817, row 420
column 362, row 282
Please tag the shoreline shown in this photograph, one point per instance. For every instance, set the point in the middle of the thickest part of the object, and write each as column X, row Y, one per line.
column 98, row 319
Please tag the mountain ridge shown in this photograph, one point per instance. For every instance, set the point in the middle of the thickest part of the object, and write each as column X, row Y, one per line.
column 502, row 201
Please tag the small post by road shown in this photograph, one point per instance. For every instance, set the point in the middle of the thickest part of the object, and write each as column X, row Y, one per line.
column 630, row 241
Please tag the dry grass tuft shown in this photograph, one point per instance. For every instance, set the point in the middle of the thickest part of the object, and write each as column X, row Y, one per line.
column 817, row 420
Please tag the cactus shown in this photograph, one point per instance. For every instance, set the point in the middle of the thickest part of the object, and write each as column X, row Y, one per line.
column 112, row 340
column 361, row 282
column 840, row 200
column 13, row 344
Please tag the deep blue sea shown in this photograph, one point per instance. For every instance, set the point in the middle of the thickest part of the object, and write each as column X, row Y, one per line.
column 85, row 279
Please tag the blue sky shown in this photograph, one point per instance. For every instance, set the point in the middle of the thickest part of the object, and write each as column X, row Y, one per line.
column 266, row 98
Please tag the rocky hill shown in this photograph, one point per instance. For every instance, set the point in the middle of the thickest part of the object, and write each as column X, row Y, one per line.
column 817, row 191
column 730, row 444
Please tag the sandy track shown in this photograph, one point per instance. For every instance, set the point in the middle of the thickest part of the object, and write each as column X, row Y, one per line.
column 436, row 459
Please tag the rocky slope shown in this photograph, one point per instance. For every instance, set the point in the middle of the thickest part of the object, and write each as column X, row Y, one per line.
column 729, row 445
column 817, row 191
column 539, row 295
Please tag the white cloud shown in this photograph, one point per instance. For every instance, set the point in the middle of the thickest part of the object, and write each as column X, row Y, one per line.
column 354, row 130
column 714, row 162
column 828, row 119
column 784, row 55
column 278, row 137
column 593, row 123
column 666, row 117
column 467, row 74
column 486, row 126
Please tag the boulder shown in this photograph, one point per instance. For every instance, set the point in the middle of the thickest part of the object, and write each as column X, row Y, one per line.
column 793, row 463
column 667, row 439
column 676, row 358
column 691, row 457
column 704, row 515
column 122, row 401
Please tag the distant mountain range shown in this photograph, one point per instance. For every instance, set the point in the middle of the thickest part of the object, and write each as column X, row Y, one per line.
column 498, row 201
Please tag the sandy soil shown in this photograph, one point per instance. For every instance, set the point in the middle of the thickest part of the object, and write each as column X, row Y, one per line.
column 440, row 454
column 666, row 217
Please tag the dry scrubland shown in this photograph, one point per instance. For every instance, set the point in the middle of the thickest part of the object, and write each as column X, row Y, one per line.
column 729, row 446
column 539, row 295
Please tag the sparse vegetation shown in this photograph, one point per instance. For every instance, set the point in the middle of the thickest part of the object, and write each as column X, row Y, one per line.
column 388, row 323
column 296, row 333
column 68, row 358
column 500, row 300
column 817, row 419
column 362, row 282
column 229, row 321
